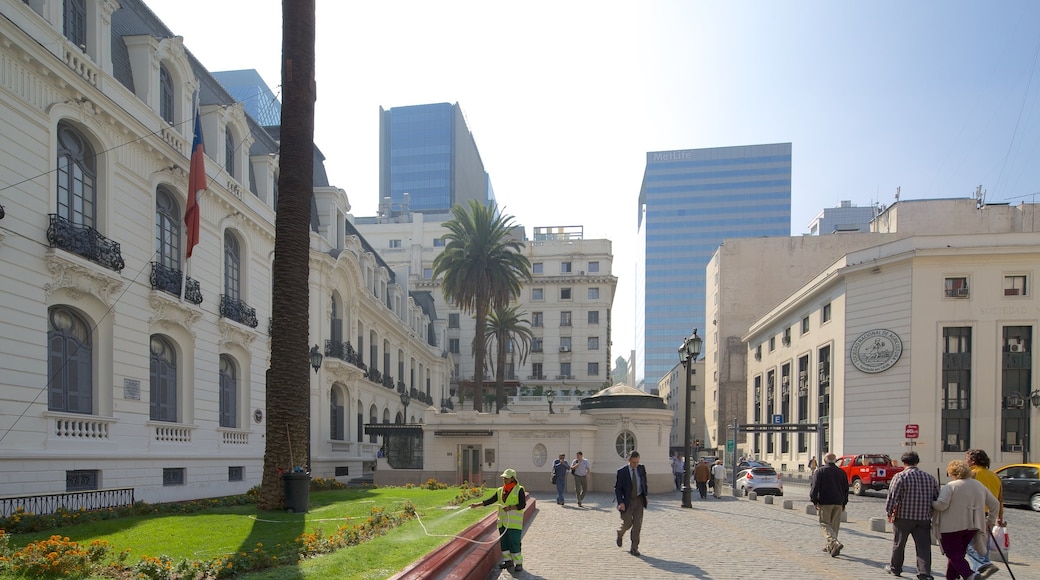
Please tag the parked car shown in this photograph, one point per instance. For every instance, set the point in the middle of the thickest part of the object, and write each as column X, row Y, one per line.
column 761, row 480
column 868, row 471
column 1021, row 483
column 749, row 463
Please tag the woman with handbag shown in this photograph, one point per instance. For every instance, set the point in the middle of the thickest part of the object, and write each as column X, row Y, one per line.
column 961, row 518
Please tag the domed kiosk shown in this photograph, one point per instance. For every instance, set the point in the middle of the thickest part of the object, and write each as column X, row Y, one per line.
column 477, row 447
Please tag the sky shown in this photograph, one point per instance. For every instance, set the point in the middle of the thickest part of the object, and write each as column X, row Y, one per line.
column 565, row 99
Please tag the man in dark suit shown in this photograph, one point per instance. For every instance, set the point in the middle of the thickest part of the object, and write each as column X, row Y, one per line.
column 630, row 492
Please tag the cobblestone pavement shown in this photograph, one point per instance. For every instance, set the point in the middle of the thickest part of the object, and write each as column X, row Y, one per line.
column 728, row 538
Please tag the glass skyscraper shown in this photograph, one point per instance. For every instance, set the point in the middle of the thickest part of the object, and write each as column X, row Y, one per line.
column 428, row 152
column 689, row 202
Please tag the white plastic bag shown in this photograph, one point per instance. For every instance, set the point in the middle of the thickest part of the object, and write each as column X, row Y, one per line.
column 999, row 538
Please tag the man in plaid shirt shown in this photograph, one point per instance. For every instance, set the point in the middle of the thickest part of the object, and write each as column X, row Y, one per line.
column 909, row 508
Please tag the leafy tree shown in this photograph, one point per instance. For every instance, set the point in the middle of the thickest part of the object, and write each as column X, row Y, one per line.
column 481, row 267
column 288, row 380
column 505, row 324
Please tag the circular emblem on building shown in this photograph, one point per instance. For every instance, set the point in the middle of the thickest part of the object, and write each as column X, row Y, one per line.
column 876, row 351
column 258, row 415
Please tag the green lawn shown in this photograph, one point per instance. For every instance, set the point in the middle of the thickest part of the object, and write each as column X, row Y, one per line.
column 221, row 531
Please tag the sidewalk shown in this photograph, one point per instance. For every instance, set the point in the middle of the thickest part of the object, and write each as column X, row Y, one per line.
column 728, row 538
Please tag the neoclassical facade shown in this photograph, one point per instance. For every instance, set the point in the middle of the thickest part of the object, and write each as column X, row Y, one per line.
column 123, row 364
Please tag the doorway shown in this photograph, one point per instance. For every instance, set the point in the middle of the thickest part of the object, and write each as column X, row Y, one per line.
column 469, row 465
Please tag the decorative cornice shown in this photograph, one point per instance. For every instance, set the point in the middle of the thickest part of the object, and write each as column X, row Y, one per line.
column 167, row 312
column 79, row 280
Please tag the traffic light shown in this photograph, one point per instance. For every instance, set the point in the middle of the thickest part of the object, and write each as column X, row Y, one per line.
column 696, row 443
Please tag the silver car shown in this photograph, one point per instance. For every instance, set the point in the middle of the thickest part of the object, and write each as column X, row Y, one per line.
column 761, row 480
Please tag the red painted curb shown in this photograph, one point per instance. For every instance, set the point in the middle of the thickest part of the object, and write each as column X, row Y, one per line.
column 462, row 560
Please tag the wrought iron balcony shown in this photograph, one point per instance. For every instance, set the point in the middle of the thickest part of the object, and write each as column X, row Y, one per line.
column 344, row 351
column 375, row 376
column 168, row 280
column 84, row 241
column 238, row 310
column 388, row 382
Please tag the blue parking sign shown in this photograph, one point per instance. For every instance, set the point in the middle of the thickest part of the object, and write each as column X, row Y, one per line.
column 778, row 419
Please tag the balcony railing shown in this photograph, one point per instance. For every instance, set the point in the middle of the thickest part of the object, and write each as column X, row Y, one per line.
column 74, row 501
column 375, row 376
column 84, row 241
column 166, row 279
column 344, row 351
column 238, row 310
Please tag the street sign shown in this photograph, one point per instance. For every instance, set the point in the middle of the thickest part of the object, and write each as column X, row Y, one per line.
column 911, row 431
column 778, row 419
column 778, row 428
column 730, row 445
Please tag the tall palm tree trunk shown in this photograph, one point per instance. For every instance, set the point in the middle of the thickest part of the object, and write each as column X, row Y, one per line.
column 479, row 352
column 288, row 385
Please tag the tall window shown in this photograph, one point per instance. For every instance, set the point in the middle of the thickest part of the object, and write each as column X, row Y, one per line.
column 536, row 371
column 825, row 313
column 453, row 345
column 373, row 418
column 593, row 293
column 565, row 267
column 537, row 320
column 823, row 409
column 167, row 229
column 77, row 177
column 229, row 153
column 956, row 389
column 593, row 316
column 565, row 344
column 565, row 318
column 165, row 94
column 75, row 22
column 1016, row 386
column 565, row 369
column 163, row 375
column 453, row 320
column 337, row 415
column 593, row 343
column 536, row 344
column 232, row 267
column 593, row 369
column 228, row 392
column 336, row 324
column 70, row 366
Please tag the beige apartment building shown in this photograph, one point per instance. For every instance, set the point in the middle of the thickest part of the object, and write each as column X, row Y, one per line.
column 672, row 389
column 568, row 303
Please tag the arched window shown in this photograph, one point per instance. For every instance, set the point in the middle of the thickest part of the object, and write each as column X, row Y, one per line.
column 167, row 230
column 229, row 152
column 163, row 375
column 336, row 324
column 232, row 267
column 360, row 422
column 399, row 419
column 165, row 94
column 337, row 415
column 75, row 22
column 373, row 419
column 386, row 415
column 70, row 362
column 77, row 177
column 228, row 392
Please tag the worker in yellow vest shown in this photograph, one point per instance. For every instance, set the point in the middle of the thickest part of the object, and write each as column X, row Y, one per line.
column 511, row 501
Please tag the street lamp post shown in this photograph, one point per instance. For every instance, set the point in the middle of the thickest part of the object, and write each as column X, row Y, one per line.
column 688, row 353
column 405, row 399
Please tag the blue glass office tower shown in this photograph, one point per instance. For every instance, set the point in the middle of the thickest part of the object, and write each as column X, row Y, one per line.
column 690, row 201
column 428, row 152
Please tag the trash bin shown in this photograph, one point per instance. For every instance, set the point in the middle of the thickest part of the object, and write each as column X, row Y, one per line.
column 297, row 491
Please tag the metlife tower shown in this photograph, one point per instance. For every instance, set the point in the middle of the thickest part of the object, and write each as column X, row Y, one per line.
column 690, row 201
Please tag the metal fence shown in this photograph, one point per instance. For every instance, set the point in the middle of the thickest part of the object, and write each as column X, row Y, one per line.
column 69, row 501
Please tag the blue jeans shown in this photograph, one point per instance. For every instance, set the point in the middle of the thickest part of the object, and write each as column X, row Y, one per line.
column 561, row 486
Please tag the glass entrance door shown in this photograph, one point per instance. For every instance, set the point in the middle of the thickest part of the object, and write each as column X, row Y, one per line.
column 469, row 465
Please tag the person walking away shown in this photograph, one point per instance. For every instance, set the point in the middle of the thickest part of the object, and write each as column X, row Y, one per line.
column 701, row 475
column 630, row 493
column 511, row 500
column 559, row 469
column 829, row 492
column 718, row 475
column 909, row 508
column 978, row 461
column 964, row 510
column 813, row 465
column 581, row 470
column 678, row 470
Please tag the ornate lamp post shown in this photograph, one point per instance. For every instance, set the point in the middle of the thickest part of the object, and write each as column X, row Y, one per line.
column 688, row 353
column 550, row 396
column 405, row 399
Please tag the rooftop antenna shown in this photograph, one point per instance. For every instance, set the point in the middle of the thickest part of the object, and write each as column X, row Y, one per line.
column 980, row 197
column 897, row 193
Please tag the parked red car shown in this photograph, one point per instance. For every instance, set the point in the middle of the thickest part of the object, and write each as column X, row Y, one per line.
column 868, row 470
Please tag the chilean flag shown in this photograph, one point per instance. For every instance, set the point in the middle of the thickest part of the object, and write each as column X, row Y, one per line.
column 196, row 184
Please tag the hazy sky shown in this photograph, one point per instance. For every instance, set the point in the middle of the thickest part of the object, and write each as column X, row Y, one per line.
column 565, row 98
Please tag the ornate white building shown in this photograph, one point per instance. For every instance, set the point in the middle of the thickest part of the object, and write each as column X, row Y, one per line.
column 122, row 364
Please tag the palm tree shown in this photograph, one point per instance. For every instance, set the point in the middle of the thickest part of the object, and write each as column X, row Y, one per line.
column 482, row 268
column 505, row 324
column 288, row 380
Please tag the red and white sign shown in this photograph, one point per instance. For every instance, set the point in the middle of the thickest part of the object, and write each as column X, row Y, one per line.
column 911, row 431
